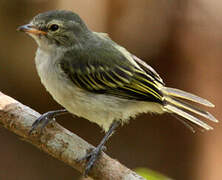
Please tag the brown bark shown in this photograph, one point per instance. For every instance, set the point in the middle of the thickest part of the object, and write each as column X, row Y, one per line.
column 59, row 142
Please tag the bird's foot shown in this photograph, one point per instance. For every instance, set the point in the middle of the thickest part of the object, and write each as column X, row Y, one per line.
column 46, row 118
column 91, row 158
column 43, row 120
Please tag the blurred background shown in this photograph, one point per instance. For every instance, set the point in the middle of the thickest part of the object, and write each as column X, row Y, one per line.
column 181, row 39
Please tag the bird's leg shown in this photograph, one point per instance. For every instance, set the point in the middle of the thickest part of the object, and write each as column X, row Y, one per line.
column 45, row 118
column 92, row 156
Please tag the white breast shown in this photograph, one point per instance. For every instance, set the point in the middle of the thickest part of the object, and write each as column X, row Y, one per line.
column 101, row 109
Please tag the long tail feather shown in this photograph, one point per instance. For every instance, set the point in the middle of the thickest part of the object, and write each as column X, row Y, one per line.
column 191, row 108
column 175, row 104
column 188, row 116
column 185, row 95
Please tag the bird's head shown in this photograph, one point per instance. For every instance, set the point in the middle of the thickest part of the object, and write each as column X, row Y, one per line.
column 56, row 28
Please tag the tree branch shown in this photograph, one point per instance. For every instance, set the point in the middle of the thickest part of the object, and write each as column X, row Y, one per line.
column 59, row 142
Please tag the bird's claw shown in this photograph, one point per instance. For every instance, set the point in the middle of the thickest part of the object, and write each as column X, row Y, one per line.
column 91, row 158
column 43, row 120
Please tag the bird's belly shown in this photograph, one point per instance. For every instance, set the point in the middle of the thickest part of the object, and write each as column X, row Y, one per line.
column 98, row 108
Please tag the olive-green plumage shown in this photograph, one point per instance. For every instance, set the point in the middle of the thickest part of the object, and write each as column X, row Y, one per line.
column 101, row 68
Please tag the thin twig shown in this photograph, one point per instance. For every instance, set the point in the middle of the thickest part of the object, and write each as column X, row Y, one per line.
column 59, row 142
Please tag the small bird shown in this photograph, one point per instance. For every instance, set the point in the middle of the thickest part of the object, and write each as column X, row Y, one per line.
column 93, row 77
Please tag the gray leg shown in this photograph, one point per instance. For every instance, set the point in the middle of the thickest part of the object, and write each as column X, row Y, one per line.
column 46, row 118
column 94, row 154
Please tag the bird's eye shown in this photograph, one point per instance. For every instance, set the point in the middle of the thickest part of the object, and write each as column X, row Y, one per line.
column 54, row 27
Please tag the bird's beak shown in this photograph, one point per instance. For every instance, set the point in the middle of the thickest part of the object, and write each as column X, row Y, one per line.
column 29, row 28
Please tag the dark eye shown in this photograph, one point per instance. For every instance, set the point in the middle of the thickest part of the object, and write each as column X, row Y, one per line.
column 54, row 27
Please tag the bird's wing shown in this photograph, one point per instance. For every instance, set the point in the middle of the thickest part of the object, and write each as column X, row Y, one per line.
column 119, row 80
column 145, row 67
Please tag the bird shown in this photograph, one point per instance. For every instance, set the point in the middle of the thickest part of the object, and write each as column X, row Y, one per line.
column 93, row 77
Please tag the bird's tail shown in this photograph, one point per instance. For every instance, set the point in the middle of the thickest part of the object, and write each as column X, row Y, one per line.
column 174, row 103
